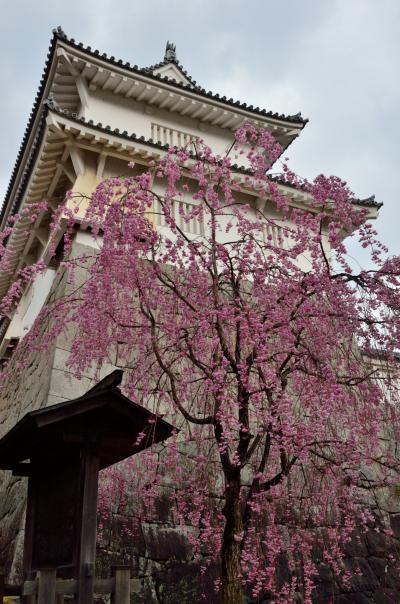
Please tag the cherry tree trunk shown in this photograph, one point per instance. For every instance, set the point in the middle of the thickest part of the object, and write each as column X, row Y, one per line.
column 232, row 591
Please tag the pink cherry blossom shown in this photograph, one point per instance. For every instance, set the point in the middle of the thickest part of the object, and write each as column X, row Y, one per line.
column 276, row 362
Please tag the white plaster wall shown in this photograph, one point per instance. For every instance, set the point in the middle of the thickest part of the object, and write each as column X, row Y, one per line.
column 134, row 117
column 277, row 223
column 30, row 304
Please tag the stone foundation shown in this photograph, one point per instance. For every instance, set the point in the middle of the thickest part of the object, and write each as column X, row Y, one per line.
column 161, row 559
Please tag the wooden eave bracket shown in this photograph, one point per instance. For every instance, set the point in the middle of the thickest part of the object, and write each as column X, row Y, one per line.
column 54, row 239
column 79, row 80
column 77, row 159
column 41, row 235
column 54, row 125
column 108, row 142
column 101, row 162
column 61, row 168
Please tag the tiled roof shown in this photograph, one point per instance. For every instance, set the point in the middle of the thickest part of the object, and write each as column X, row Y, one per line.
column 369, row 202
column 147, row 71
column 103, row 128
column 59, row 34
column 27, row 133
column 49, row 104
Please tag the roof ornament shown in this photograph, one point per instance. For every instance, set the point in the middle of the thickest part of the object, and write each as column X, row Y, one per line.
column 369, row 201
column 170, row 52
column 59, row 32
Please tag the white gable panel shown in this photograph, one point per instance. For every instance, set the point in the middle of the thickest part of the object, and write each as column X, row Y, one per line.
column 172, row 72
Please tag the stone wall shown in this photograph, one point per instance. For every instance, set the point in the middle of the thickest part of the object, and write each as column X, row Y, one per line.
column 28, row 392
column 42, row 382
column 373, row 563
column 161, row 558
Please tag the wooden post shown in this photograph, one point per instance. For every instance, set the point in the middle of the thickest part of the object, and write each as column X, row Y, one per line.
column 122, row 585
column 29, row 530
column 87, row 553
column 47, row 586
column 2, row 585
column 29, row 590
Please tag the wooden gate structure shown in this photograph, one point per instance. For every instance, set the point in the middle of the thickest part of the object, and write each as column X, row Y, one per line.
column 47, row 589
column 61, row 449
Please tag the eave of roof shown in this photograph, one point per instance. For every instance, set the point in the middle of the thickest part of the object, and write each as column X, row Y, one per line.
column 29, row 437
column 27, row 134
column 49, row 105
column 369, row 202
column 137, row 145
column 147, row 71
column 117, row 132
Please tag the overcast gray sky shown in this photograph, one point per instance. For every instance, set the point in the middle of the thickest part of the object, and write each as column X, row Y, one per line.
column 336, row 61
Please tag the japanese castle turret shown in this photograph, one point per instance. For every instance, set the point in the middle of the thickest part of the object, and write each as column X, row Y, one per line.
column 92, row 115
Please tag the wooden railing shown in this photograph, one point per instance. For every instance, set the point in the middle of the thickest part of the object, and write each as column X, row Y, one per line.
column 47, row 589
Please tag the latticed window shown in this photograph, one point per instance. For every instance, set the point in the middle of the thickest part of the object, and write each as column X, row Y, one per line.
column 171, row 136
column 274, row 234
column 193, row 226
